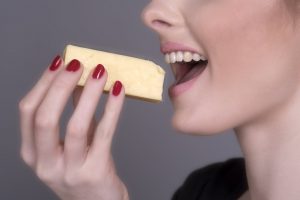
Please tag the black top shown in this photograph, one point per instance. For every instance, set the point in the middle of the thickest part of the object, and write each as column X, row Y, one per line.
column 219, row 181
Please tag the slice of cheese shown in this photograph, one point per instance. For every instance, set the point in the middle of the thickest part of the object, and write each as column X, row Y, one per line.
column 142, row 79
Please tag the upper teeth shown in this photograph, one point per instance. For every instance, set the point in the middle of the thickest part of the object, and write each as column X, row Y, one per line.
column 181, row 56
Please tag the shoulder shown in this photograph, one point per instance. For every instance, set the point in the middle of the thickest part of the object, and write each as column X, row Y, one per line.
column 225, row 180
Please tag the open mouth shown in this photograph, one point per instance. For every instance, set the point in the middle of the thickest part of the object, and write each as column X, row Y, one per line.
column 188, row 71
column 186, row 65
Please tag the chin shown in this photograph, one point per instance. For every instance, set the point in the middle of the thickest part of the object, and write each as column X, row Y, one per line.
column 204, row 126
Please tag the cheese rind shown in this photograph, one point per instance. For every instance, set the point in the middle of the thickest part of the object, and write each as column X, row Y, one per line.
column 142, row 79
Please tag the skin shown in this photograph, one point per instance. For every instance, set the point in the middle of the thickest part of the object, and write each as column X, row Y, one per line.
column 251, row 84
column 81, row 167
column 239, row 59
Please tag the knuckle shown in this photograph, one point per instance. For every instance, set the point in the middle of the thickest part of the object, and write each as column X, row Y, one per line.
column 43, row 121
column 47, row 176
column 26, row 106
column 111, row 113
column 76, row 130
column 86, row 178
column 61, row 83
column 72, row 180
column 27, row 158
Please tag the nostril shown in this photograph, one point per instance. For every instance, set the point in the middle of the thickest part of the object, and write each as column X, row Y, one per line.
column 160, row 23
column 155, row 16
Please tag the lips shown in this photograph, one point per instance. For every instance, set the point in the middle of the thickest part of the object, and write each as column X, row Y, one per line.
column 187, row 64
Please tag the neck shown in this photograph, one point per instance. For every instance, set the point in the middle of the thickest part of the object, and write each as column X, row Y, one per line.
column 272, row 152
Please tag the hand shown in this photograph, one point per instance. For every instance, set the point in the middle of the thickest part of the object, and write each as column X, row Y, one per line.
column 81, row 166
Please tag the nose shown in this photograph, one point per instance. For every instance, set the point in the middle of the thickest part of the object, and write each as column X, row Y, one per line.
column 161, row 15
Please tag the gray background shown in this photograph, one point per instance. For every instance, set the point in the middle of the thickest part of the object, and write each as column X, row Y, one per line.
column 151, row 157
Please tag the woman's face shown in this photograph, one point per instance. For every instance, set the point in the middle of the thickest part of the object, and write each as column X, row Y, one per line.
column 252, row 67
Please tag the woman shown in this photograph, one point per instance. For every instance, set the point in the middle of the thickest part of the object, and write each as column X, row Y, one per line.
column 249, row 81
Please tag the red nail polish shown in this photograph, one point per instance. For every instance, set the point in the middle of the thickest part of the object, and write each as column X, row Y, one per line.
column 55, row 63
column 117, row 88
column 98, row 72
column 73, row 66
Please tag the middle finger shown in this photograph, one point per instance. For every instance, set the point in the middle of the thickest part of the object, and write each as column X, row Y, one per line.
column 77, row 132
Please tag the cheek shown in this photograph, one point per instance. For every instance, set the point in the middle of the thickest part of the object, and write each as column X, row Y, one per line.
column 249, row 73
column 219, row 108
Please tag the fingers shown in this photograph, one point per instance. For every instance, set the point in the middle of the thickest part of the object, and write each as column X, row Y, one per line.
column 41, row 109
column 82, row 121
column 76, row 96
column 48, row 115
column 107, row 126
column 28, row 106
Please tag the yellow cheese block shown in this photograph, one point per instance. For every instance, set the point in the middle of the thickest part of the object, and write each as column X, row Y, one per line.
column 142, row 79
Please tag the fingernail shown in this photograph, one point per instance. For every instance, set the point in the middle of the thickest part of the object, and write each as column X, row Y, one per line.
column 98, row 72
column 55, row 63
column 117, row 88
column 73, row 66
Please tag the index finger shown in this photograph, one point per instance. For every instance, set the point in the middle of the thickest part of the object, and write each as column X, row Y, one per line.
column 28, row 106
